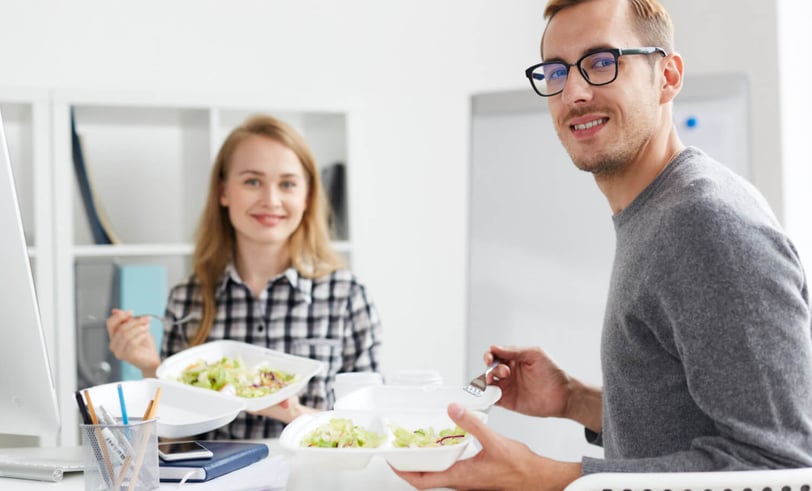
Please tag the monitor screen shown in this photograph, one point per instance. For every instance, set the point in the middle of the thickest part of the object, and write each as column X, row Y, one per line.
column 28, row 404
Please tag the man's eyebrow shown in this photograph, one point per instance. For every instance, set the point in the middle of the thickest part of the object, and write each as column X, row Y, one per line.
column 587, row 51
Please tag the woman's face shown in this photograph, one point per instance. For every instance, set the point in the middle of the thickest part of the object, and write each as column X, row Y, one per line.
column 265, row 191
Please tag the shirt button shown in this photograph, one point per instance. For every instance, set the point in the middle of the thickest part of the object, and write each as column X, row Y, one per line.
column 260, row 327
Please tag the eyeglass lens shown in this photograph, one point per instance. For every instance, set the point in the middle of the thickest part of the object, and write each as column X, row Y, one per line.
column 597, row 68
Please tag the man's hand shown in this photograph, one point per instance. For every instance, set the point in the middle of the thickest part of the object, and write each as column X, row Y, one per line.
column 502, row 464
column 533, row 384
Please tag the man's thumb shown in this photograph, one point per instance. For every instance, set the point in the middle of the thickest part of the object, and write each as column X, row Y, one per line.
column 469, row 421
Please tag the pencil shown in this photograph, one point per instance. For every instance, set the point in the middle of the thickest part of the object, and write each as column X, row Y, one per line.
column 152, row 408
column 99, row 438
column 149, row 408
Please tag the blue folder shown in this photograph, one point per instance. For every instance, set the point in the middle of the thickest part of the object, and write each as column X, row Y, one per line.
column 142, row 289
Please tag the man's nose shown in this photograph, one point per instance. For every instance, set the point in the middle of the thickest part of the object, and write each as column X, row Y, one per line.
column 576, row 88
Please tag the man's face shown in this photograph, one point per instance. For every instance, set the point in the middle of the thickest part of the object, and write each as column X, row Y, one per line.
column 603, row 128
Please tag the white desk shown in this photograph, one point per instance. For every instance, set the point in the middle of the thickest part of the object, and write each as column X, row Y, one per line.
column 376, row 476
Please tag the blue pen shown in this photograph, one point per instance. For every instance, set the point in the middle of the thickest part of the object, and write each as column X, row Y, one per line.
column 124, row 418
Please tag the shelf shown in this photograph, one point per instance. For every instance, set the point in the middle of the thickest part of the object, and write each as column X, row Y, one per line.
column 179, row 249
column 133, row 250
column 148, row 157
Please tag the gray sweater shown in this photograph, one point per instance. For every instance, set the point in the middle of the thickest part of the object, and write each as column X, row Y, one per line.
column 706, row 346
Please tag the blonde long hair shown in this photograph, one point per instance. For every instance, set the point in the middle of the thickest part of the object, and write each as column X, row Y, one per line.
column 310, row 250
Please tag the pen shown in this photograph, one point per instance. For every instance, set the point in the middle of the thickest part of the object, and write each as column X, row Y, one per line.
column 114, row 443
column 124, row 418
column 83, row 408
column 108, row 419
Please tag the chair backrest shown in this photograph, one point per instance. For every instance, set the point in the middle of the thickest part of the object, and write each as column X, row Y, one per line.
column 760, row 480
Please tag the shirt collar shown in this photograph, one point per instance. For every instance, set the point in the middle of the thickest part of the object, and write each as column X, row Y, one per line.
column 300, row 283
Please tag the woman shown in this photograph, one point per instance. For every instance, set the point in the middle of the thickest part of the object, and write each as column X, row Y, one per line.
column 264, row 273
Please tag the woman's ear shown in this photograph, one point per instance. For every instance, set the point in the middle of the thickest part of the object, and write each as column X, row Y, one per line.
column 672, row 77
column 223, row 197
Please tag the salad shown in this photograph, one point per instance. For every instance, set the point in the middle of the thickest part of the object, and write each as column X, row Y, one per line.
column 341, row 433
column 426, row 437
column 231, row 376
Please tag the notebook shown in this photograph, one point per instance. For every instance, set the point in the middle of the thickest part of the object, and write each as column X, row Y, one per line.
column 228, row 457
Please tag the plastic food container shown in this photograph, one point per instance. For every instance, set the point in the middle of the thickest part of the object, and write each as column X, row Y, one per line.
column 182, row 410
column 253, row 356
column 426, row 398
column 426, row 459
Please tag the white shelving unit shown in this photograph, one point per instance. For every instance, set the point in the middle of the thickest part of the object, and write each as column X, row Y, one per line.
column 149, row 159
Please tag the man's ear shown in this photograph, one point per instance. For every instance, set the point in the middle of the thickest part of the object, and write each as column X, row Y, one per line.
column 672, row 77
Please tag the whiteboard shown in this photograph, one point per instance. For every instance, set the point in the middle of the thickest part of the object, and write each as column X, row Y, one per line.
column 541, row 239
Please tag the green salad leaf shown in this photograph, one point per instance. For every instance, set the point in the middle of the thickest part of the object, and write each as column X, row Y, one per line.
column 427, row 437
column 231, row 374
column 341, row 433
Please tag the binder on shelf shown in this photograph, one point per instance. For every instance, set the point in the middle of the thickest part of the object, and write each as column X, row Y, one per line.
column 334, row 180
column 142, row 288
column 94, row 297
column 99, row 224
column 229, row 456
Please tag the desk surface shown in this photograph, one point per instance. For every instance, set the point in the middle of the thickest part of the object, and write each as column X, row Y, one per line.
column 376, row 476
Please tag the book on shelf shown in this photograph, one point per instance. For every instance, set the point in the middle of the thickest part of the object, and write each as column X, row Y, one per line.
column 228, row 457
column 100, row 227
column 333, row 179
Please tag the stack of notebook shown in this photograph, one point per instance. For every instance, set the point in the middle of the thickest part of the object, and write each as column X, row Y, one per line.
column 228, row 457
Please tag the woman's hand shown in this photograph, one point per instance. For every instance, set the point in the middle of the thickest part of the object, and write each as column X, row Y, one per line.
column 286, row 411
column 132, row 341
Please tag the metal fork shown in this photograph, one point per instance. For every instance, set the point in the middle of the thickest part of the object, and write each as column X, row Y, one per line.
column 169, row 320
column 478, row 384
column 162, row 318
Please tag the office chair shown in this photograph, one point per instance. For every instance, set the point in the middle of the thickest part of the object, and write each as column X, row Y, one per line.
column 760, row 480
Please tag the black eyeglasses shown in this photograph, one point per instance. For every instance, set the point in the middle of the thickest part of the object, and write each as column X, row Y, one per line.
column 598, row 67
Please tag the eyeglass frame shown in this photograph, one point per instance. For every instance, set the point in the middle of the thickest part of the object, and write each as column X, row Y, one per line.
column 616, row 53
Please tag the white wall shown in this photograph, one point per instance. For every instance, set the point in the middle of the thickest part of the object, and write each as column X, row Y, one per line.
column 795, row 37
column 409, row 69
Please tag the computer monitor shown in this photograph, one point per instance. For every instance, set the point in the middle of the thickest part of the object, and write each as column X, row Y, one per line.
column 28, row 403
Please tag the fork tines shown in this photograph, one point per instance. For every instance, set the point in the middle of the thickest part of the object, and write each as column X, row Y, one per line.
column 476, row 386
column 474, row 389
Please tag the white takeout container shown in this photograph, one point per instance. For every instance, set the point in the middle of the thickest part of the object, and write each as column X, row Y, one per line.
column 431, row 398
column 253, row 356
column 428, row 459
column 182, row 410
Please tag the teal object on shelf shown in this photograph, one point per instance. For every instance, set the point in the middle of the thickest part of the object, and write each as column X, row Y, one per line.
column 143, row 290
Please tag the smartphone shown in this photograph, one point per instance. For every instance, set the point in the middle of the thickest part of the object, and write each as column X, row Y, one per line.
column 171, row 451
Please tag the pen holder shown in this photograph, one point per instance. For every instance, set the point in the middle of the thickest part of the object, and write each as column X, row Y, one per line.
column 121, row 457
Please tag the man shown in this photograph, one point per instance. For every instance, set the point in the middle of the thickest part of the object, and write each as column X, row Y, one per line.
column 706, row 348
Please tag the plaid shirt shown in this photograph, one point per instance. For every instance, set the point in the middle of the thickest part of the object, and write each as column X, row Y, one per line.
column 330, row 319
